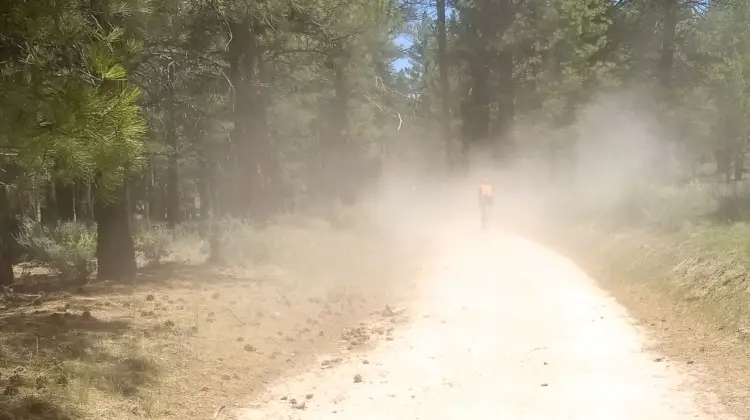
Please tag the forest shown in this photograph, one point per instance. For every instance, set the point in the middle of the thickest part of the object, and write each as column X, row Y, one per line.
column 176, row 111
column 126, row 123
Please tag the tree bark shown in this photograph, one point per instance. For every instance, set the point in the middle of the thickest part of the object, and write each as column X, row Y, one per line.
column 503, row 132
column 445, row 113
column 724, row 164
column 487, row 21
column 254, row 164
column 336, row 155
column 173, row 176
column 156, row 198
column 204, row 188
column 83, row 208
column 6, row 239
column 643, row 42
column 669, row 30
column 65, row 201
column 476, row 115
column 114, row 246
column 739, row 164
column 49, row 209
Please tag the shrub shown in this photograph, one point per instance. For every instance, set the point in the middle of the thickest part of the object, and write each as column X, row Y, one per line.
column 69, row 248
column 236, row 240
column 152, row 241
column 345, row 217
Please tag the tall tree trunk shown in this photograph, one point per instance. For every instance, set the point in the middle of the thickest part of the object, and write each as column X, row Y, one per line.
column 173, row 177
column 487, row 22
column 503, row 132
column 723, row 163
column 6, row 239
column 669, row 28
column 739, row 164
column 204, row 188
column 335, row 150
column 476, row 113
column 156, row 197
column 115, row 250
column 643, row 42
column 445, row 113
column 49, row 210
column 65, row 201
column 84, row 211
column 138, row 196
column 254, row 163
column 204, row 196
column 114, row 245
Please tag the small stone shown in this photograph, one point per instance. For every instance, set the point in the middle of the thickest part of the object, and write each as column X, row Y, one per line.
column 357, row 378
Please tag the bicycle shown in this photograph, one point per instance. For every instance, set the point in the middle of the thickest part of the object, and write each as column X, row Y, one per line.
column 485, row 208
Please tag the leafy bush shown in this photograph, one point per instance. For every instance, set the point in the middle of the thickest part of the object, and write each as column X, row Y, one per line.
column 345, row 217
column 69, row 248
column 236, row 240
column 152, row 241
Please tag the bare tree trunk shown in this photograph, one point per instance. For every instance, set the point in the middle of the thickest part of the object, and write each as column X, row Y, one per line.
column 49, row 209
column 669, row 29
column 6, row 239
column 739, row 164
column 476, row 113
column 445, row 113
column 157, row 201
column 65, row 201
column 114, row 246
column 336, row 155
column 173, row 176
column 115, row 251
column 204, row 196
column 487, row 21
column 84, row 211
column 506, row 106
column 254, row 165
column 643, row 43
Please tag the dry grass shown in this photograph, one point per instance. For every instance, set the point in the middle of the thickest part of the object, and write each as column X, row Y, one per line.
column 187, row 338
column 689, row 287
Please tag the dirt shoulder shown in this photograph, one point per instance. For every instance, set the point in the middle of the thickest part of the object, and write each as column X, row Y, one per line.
column 689, row 289
column 186, row 339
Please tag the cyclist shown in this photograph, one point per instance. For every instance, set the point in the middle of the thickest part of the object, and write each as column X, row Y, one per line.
column 485, row 201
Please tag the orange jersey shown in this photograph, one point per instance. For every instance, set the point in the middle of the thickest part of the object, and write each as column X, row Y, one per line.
column 485, row 190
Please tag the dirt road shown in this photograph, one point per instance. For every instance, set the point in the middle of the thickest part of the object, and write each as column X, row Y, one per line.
column 502, row 329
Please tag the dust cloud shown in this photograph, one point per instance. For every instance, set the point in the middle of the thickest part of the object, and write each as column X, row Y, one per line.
column 616, row 145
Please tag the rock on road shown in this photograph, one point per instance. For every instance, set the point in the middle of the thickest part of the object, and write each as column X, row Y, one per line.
column 501, row 329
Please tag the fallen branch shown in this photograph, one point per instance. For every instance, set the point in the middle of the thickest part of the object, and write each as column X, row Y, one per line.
column 241, row 322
